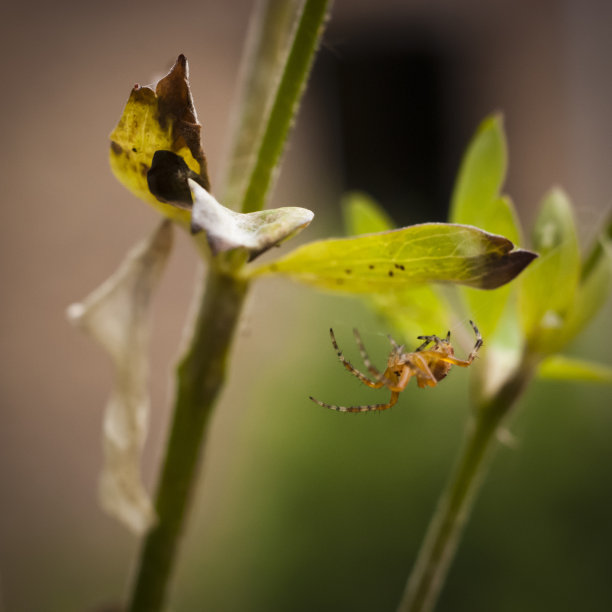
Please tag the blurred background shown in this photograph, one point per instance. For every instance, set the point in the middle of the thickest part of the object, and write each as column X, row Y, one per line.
column 298, row 508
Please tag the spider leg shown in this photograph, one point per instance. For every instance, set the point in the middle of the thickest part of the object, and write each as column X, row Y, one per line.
column 398, row 347
column 435, row 339
column 354, row 371
column 479, row 341
column 428, row 340
column 464, row 363
column 425, row 378
column 380, row 377
column 365, row 408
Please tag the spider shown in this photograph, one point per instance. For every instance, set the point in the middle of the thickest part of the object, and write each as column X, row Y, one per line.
column 429, row 365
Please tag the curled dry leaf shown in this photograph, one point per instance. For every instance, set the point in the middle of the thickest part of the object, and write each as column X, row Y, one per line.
column 116, row 314
column 171, row 180
column 256, row 232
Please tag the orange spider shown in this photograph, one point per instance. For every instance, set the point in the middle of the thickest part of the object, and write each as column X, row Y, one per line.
column 429, row 365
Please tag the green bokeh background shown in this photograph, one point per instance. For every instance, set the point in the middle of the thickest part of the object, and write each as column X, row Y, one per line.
column 325, row 511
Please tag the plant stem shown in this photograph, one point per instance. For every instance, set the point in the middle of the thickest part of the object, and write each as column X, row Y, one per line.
column 288, row 95
column 444, row 533
column 264, row 57
column 200, row 377
column 201, row 372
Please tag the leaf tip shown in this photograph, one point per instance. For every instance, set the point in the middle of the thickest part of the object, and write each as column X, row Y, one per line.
column 498, row 117
column 558, row 195
column 179, row 70
column 512, row 265
column 494, row 121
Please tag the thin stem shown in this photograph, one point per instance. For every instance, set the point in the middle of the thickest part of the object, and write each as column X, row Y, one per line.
column 444, row 533
column 200, row 377
column 285, row 104
column 264, row 57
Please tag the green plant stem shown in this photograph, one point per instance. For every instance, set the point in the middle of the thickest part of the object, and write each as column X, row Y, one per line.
column 445, row 530
column 286, row 100
column 264, row 57
column 201, row 372
column 200, row 377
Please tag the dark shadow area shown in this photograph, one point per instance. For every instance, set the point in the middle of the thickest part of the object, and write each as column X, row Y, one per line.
column 388, row 94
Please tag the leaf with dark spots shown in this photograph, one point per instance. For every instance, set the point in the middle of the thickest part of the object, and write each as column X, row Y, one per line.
column 420, row 254
column 160, row 118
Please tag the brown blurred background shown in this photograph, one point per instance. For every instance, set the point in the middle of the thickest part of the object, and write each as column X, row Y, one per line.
column 397, row 91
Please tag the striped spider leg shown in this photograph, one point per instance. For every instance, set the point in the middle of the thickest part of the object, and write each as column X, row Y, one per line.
column 430, row 339
column 429, row 363
column 381, row 380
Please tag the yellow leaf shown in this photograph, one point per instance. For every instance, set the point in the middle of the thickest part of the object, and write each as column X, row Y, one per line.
column 160, row 117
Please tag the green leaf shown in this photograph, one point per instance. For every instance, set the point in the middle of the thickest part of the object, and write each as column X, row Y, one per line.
column 504, row 349
column 404, row 258
column 603, row 243
column 489, row 307
column 477, row 201
column 410, row 311
column 481, row 175
column 548, row 287
column 559, row 367
column 363, row 215
column 592, row 292
column 413, row 312
column 555, row 227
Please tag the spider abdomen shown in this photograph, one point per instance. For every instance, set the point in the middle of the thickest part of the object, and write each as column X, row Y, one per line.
column 439, row 369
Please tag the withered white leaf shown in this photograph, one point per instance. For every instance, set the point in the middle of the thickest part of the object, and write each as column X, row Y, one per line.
column 116, row 315
column 256, row 232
